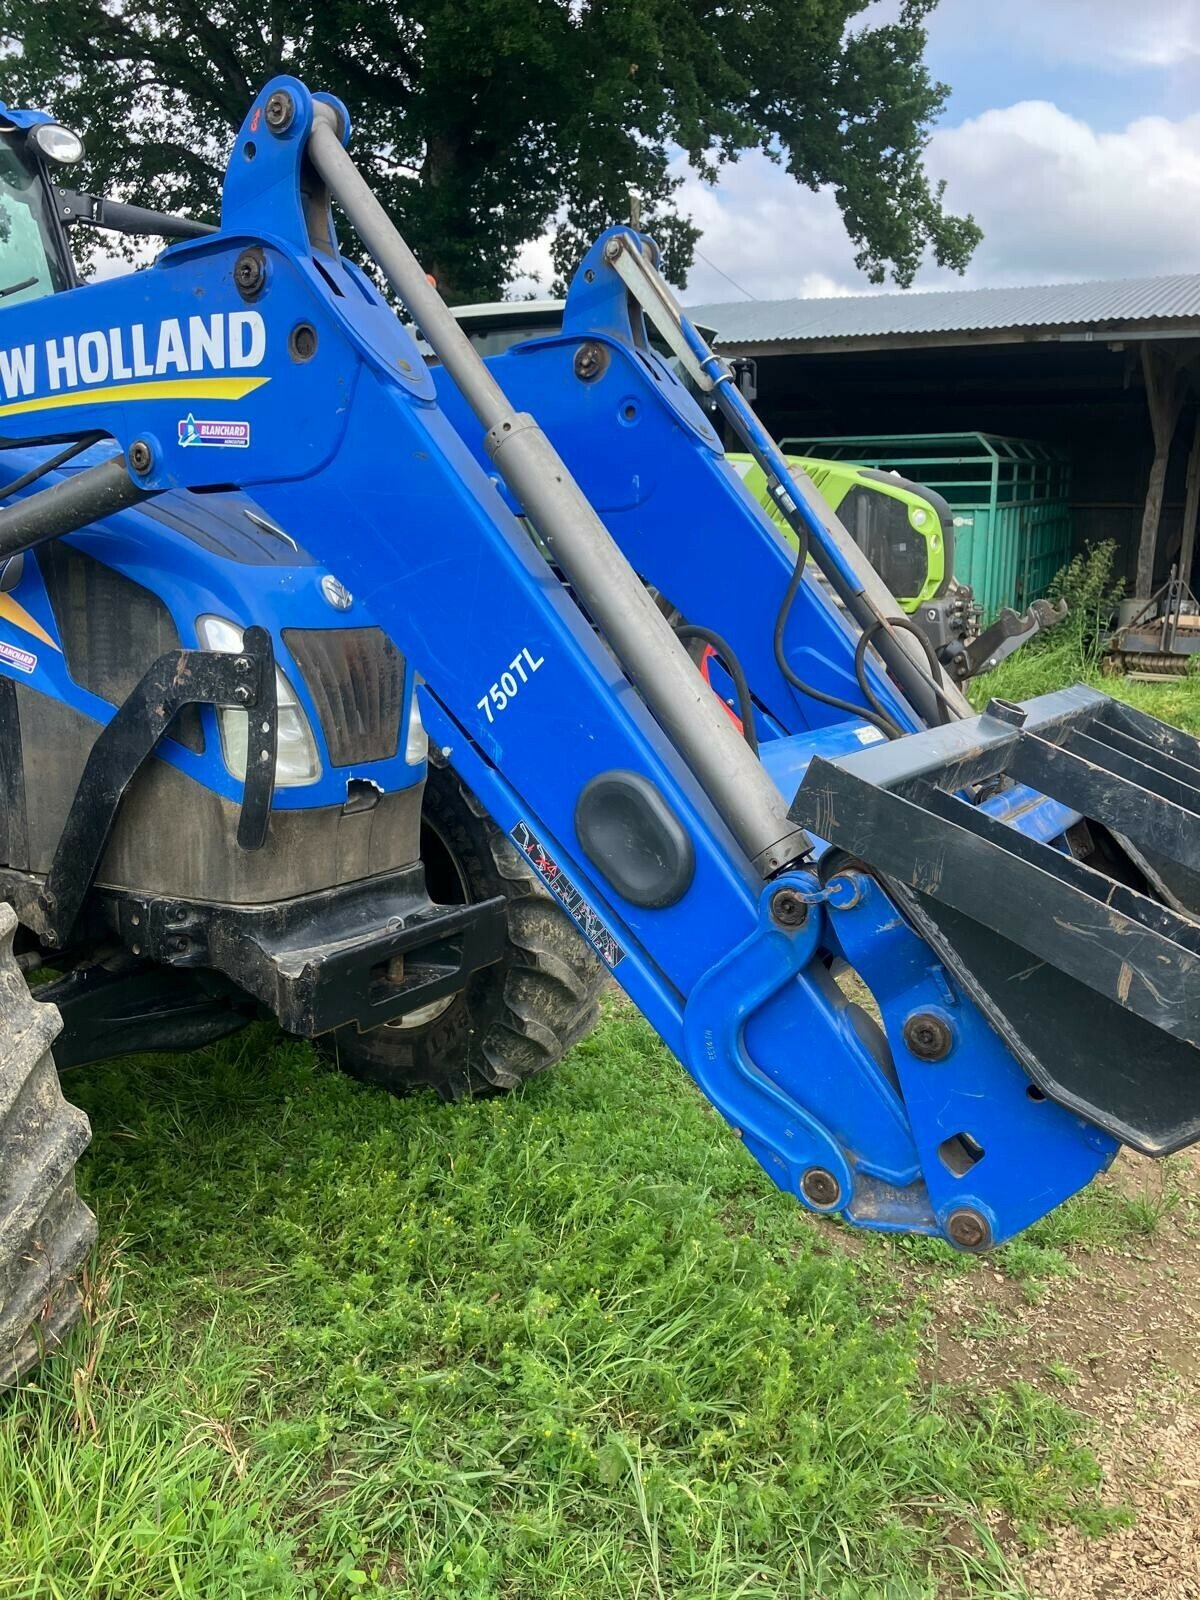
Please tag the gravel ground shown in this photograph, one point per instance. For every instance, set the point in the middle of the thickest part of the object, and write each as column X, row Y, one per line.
column 1119, row 1339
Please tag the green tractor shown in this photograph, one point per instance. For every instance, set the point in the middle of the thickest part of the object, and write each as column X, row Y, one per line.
column 906, row 531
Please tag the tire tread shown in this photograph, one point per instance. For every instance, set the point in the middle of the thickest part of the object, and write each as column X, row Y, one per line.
column 46, row 1231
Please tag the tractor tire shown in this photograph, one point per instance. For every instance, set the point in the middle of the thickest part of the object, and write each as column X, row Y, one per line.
column 512, row 1019
column 46, row 1231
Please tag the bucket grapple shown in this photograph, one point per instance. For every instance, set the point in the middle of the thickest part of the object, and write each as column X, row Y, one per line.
column 933, row 968
column 1093, row 980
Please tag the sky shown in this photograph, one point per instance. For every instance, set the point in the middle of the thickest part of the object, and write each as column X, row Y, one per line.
column 1071, row 133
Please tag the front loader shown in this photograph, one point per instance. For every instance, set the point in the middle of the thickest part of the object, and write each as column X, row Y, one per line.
column 510, row 559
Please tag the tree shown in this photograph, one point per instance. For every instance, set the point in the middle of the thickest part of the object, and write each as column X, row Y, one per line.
column 484, row 123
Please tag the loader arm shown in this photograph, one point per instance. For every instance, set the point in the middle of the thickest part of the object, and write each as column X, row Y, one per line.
column 260, row 358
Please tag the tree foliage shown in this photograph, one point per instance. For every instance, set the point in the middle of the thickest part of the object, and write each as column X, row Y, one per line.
column 485, row 123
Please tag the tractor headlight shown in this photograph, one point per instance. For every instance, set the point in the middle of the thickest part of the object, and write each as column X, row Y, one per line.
column 416, row 744
column 296, row 758
column 56, row 143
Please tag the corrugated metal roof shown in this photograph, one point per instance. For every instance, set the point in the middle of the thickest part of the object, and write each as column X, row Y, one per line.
column 1119, row 301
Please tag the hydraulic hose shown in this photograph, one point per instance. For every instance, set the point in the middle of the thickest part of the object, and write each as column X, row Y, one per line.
column 947, row 709
column 741, row 685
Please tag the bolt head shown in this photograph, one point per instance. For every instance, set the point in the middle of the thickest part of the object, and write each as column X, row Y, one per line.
column 968, row 1229
column 141, row 457
column 249, row 272
column 242, row 694
column 591, row 361
column 928, row 1037
column 820, row 1188
column 281, row 108
column 788, row 910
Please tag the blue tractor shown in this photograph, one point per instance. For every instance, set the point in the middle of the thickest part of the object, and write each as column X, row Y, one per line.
column 363, row 696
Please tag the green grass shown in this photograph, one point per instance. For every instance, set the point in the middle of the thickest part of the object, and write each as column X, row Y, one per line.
column 1071, row 652
column 1022, row 676
column 565, row 1344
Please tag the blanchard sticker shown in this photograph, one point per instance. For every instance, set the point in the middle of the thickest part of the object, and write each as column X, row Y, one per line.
column 564, row 891
column 228, row 434
column 23, row 660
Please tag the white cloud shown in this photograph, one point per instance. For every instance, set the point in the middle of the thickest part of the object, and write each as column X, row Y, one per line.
column 768, row 234
column 1056, row 199
column 534, row 273
column 760, row 229
column 1112, row 33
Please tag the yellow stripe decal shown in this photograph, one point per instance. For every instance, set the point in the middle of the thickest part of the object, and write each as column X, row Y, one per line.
column 13, row 611
column 183, row 389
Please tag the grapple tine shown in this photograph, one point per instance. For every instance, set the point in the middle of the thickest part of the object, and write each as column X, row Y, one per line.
column 1155, row 814
column 1156, row 810
column 941, row 847
column 1152, row 914
column 1150, row 755
column 1148, row 730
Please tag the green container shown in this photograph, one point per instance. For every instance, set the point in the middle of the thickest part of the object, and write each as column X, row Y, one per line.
column 1010, row 497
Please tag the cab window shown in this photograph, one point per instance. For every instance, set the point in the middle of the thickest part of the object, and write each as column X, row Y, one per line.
column 27, row 256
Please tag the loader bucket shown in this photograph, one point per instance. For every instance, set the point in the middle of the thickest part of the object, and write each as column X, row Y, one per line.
column 1083, row 952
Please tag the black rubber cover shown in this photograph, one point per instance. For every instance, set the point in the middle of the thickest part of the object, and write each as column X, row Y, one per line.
column 630, row 832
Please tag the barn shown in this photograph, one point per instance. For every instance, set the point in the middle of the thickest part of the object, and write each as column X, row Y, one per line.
column 1101, row 379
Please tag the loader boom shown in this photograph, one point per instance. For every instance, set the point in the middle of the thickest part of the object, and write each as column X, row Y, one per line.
column 259, row 357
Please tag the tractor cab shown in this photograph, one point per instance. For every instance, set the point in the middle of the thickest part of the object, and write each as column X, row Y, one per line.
column 34, row 257
column 37, row 210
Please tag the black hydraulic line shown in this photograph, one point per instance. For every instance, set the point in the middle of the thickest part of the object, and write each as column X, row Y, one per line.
column 50, row 465
column 855, row 582
column 741, row 685
column 946, row 709
column 876, row 716
column 72, row 503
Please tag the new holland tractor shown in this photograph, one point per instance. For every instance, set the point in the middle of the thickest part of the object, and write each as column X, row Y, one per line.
column 361, row 695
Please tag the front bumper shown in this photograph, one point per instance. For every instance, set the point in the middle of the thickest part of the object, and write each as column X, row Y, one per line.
column 364, row 953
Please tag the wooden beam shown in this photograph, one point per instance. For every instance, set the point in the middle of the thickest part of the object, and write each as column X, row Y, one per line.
column 965, row 339
column 1191, row 507
column 1166, row 384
